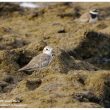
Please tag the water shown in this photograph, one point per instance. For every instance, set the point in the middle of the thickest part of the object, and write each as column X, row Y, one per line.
column 36, row 4
column 29, row 5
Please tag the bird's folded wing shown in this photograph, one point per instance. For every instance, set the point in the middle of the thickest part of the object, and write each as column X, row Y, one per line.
column 39, row 61
column 85, row 17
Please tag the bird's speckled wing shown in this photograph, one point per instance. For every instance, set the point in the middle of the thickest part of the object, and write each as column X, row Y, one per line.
column 39, row 61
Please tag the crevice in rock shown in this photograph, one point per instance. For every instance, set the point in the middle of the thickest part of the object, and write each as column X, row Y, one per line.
column 33, row 84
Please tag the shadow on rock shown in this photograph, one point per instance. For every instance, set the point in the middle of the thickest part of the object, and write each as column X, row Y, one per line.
column 33, row 84
column 94, row 49
column 69, row 63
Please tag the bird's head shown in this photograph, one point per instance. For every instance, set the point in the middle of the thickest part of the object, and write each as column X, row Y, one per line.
column 48, row 50
column 94, row 12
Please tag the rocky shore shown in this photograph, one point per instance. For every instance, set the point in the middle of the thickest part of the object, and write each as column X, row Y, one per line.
column 79, row 75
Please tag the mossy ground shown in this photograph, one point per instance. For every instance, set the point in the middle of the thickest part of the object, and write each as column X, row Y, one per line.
column 79, row 65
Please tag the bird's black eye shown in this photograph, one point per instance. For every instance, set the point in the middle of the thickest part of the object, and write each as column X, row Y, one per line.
column 46, row 49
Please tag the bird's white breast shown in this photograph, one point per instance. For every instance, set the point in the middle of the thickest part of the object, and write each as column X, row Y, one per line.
column 93, row 20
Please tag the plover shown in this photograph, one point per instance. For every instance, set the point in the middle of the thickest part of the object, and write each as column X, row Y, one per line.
column 90, row 17
column 40, row 61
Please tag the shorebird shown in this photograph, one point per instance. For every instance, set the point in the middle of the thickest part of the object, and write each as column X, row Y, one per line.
column 40, row 61
column 90, row 17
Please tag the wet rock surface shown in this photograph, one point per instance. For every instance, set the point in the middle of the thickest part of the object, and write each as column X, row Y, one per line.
column 78, row 76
